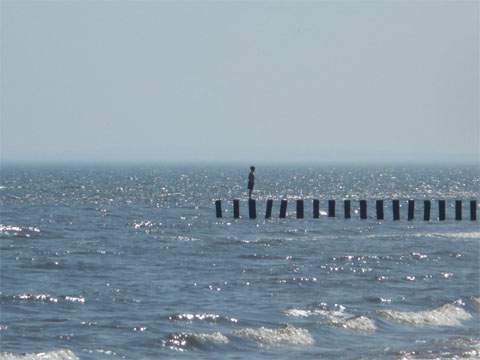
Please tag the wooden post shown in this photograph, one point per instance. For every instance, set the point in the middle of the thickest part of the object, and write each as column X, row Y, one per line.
column 458, row 209
column 363, row 209
column 299, row 209
column 218, row 208
column 316, row 208
column 283, row 209
column 396, row 209
column 236, row 208
column 347, row 208
column 268, row 211
column 426, row 210
column 379, row 205
column 473, row 210
column 252, row 208
column 331, row 208
column 411, row 209
column 441, row 210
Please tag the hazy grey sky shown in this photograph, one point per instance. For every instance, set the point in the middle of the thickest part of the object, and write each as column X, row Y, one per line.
column 248, row 81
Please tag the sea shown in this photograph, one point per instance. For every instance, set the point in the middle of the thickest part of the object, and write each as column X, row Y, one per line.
column 130, row 262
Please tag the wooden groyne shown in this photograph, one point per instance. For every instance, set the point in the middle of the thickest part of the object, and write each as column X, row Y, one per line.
column 347, row 209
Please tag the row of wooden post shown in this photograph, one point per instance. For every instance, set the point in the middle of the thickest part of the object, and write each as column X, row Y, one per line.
column 427, row 205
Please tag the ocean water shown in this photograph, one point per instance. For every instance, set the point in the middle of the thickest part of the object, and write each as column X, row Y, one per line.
column 129, row 262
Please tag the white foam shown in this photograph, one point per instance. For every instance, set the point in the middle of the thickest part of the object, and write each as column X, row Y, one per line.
column 37, row 297
column 338, row 318
column 418, row 255
column 323, row 309
column 15, row 230
column 7, row 228
column 145, row 224
column 200, row 317
column 288, row 335
column 357, row 323
column 445, row 315
column 63, row 354
column 190, row 317
column 384, row 300
column 183, row 341
column 215, row 337
column 78, row 299
column 298, row 312
column 47, row 298
column 328, row 314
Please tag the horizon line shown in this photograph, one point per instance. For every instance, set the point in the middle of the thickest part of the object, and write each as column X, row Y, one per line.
column 261, row 162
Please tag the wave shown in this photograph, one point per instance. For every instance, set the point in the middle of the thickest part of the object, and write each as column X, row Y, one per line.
column 443, row 349
column 357, row 323
column 445, row 235
column 328, row 312
column 18, row 231
column 337, row 317
column 75, row 299
column 288, row 335
column 191, row 341
column 261, row 257
column 36, row 298
column 40, row 297
column 201, row 317
column 296, row 280
column 445, row 315
column 147, row 226
column 378, row 299
column 62, row 354
column 454, row 235
column 476, row 302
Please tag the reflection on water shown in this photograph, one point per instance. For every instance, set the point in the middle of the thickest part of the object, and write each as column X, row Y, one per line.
column 130, row 262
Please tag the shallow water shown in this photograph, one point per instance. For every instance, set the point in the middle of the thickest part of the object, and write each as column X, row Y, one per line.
column 130, row 262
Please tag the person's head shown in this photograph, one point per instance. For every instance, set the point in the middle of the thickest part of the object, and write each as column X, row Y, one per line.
column 252, row 168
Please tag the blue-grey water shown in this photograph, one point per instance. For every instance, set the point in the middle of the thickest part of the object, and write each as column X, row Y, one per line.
column 130, row 262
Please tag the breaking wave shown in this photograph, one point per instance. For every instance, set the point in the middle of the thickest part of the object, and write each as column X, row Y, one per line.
column 63, row 354
column 445, row 315
column 18, row 231
column 40, row 297
column 356, row 323
column 288, row 335
column 336, row 316
column 191, row 341
column 201, row 317
column 322, row 309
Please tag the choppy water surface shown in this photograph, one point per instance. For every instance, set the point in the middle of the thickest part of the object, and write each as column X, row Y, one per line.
column 130, row 262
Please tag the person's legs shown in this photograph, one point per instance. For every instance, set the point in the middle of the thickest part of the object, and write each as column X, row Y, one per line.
column 250, row 193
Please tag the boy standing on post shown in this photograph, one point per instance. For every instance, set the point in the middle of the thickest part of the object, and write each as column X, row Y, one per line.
column 251, row 181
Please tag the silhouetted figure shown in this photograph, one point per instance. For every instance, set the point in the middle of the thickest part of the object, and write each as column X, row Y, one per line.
column 251, row 181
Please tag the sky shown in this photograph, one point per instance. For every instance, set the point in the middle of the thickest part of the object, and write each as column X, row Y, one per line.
column 240, row 81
